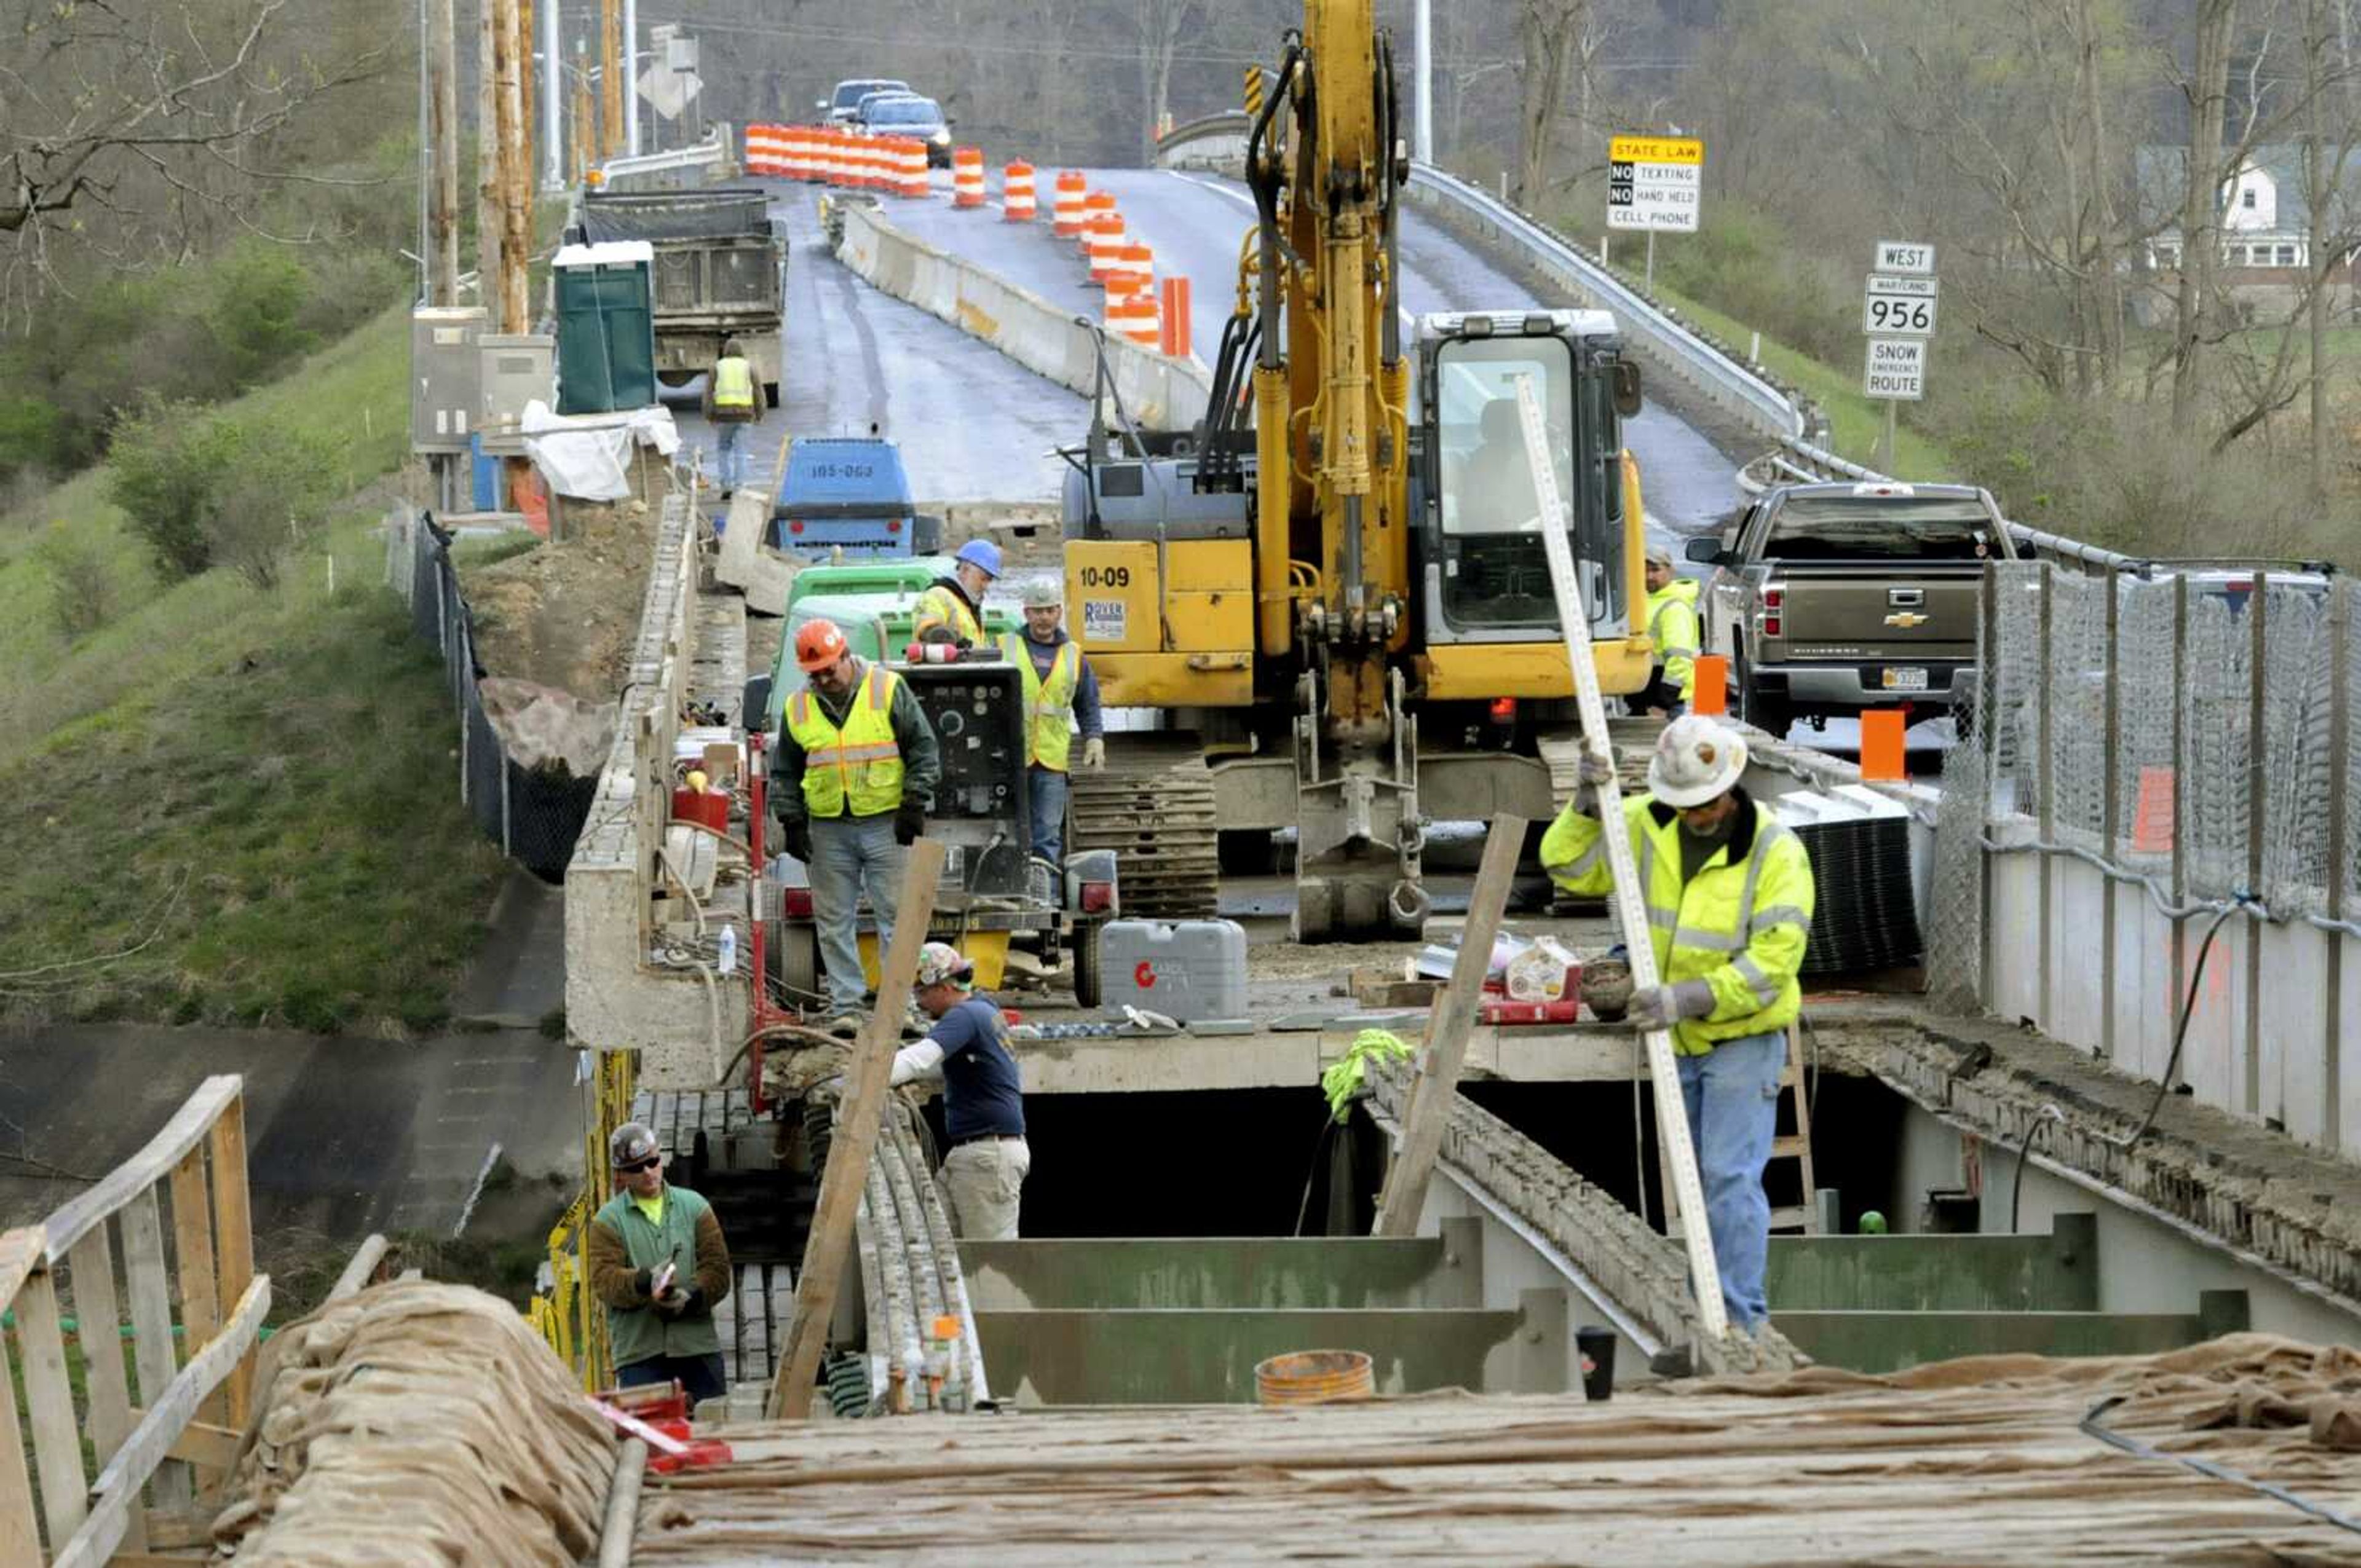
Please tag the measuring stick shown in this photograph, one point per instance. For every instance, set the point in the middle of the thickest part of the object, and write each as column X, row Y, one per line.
column 1631, row 905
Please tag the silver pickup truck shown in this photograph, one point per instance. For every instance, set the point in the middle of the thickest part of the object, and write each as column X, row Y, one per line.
column 1831, row 599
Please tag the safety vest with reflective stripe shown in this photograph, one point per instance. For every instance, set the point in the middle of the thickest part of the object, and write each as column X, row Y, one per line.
column 859, row 765
column 1740, row 926
column 943, row 605
column 733, row 384
column 1673, row 626
column 1049, row 704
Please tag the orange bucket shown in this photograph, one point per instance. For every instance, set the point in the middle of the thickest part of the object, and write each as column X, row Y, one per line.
column 1316, row 1378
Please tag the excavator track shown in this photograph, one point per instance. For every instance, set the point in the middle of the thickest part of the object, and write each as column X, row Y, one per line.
column 1153, row 806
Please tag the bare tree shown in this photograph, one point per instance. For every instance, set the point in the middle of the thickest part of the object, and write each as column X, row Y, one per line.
column 2208, row 89
column 1163, row 24
column 1548, row 32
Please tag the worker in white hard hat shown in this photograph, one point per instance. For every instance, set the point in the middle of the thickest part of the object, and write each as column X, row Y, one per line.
column 655, row 1257
column 1673, row 628
column 984, row 1095
column 1728, row 894
column 1060, row 693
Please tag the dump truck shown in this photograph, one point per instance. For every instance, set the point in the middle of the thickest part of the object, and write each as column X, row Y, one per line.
column 720, row 272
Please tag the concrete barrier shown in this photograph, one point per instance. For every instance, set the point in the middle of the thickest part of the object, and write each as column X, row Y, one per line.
column 1160, row 392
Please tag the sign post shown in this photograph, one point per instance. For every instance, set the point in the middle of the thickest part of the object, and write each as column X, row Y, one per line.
column 1653, row 183
column 1897, row 316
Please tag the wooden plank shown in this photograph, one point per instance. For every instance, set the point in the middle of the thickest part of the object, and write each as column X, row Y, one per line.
column 1448, row 1021
column 233, row 1239
column 359, row 1272
column 192, row 1251
column 99, row 1317
column 70, row 1221
column 154, row 1354
column 20, row 1538
column 857, row 1121
column 1629, row 901
column 117, row 1488
column 57, row 1436
column 202, row 1443
column 22, row 1250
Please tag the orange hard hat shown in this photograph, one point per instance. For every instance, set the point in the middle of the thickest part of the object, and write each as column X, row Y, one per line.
column 819, row 645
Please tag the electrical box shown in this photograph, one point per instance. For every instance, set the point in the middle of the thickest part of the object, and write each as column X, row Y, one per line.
column 517, row 369
column 446, row 377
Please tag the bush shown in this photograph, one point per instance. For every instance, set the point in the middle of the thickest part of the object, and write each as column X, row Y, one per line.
column 273, row 498
column 204, row 489
column 259, row 293
column 84, row 596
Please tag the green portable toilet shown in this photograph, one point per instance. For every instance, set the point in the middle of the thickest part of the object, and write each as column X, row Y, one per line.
column 606, row 326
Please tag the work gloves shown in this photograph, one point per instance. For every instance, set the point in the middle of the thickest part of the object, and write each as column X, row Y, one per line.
column 1594, row 769
column 1094, row 753
column 909, row 821
column 1660, row 1006
column 795, row 838
column 680, row 1303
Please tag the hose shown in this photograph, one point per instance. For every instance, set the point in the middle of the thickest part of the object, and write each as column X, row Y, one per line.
column 2092, row 1426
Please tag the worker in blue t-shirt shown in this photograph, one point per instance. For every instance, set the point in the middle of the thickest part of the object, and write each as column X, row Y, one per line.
column 983, row 1098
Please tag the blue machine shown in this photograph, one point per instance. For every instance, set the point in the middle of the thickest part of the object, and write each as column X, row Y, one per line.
column 850, row 492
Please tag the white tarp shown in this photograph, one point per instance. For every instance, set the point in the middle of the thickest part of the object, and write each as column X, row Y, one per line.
column 588, row 455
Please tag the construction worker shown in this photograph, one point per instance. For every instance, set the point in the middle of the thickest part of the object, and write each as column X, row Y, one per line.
column 1728, row 894
column 853, row 778
column 955, row 603
column 1059, row 690
column 1673, row 626
column 655, row 1257
column 732, row 403
column 984, row 1095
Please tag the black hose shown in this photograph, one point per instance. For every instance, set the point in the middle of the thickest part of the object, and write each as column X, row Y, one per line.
column 2092, row 1427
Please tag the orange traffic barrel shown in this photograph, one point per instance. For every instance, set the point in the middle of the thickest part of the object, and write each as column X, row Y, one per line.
column 1017, row 199
column 1100, row 244
column 1174, row 306
column 1131, row 310
column 911, row 174
column 967, row 177
column 1134, row 264
column 1068, row 204
column 1097, row 204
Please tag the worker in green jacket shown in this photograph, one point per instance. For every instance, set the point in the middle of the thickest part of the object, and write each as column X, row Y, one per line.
column 1728, row 894
column 655, row 1257
column 1673, row 628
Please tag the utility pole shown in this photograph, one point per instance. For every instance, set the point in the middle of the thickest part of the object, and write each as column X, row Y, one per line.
column 611, row 79
column 525, row 85
column 442, row 134
column 1423, row 135
column 553, row 96
column 487, row 157
column 515, row 168
column 630, row 78
column 586, row 143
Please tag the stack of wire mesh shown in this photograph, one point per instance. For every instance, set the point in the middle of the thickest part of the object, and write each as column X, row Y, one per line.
column 1866, row 917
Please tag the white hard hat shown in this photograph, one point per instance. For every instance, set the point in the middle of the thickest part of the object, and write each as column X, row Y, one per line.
column 939, row 962
column 1658, row 555
column 1695, row 760
column 1044, row 593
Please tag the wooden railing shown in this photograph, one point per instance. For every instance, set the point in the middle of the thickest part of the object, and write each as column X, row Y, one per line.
column 192, row 1409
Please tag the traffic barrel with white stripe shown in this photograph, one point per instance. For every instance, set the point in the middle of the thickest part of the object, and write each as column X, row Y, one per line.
column 910, row 166
column 967, row 177
column 1105, row 239
column 1096, row 205
column 1131, row 267
column 762, row 155
column 1016, row 200
column 1069, row 206
column 1131, row 313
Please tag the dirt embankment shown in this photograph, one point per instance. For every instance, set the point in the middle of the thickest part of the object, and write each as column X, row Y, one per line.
column 565, row 615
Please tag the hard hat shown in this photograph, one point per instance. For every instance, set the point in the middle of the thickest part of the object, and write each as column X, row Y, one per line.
column 1695, row 760
column 939, row 962
column 819, row 645
column 630, row 1143
column 1044, row 593
column 1658, row 555
column 981, row 553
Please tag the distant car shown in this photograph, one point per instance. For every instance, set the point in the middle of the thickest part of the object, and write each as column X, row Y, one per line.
column 843, row 106
column 907, row 114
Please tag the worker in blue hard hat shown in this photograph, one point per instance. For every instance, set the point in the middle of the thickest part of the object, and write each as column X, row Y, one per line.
column 955, row 604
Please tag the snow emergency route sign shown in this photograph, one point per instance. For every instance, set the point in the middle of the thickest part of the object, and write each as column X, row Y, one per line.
column 1653, row 182
column 1897, row 368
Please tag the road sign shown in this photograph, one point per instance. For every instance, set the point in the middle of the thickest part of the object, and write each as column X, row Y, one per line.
column 1896, row 369
column 1653, row 182
column 1897, row 305
column 1906, row 255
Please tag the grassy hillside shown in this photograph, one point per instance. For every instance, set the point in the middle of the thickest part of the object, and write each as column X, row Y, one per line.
column 230, row 804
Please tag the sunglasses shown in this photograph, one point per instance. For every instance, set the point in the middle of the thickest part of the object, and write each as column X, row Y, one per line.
column 639, row 1165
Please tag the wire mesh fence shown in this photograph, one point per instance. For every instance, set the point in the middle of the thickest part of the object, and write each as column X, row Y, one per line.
column 534, row 812
column 2189, row 730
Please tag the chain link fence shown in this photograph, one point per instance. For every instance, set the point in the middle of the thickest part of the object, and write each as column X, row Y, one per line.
column 533, row 812
column 2185, row 731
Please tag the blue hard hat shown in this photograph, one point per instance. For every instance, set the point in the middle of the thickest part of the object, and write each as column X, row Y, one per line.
column 981, row 552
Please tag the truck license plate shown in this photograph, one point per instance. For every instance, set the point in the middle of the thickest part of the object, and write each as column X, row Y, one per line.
column 1900, row 679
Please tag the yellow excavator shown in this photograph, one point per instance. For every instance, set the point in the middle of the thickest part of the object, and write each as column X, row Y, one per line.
column 1335, row 586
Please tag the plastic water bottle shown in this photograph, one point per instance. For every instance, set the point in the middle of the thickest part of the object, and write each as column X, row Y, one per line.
column 729, row 950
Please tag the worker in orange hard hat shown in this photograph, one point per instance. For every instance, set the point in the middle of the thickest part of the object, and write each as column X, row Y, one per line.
column 853, row 778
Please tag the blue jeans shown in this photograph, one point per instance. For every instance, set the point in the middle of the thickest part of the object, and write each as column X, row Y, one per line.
column 852, row 855
column 732, row 456
column 1045, row 789
column 702, row 1376
column 1732, row 1095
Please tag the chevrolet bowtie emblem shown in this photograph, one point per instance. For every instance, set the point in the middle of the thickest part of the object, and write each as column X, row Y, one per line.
column 1906, row 619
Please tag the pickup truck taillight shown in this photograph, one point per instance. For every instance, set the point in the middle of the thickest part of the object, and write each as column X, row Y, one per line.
column 796, row 525
column 1774, row 602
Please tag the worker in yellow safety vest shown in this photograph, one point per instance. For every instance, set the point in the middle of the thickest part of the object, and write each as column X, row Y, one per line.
column 732, row 401
column 853, row 778
column 1673, row 628
column 1059, row 689
column 1729, row 895
column 953, row 607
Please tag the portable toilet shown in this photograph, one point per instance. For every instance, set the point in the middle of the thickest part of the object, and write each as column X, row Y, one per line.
column 606, row 326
